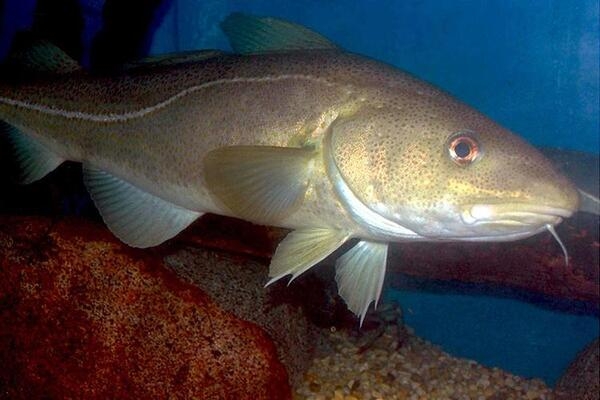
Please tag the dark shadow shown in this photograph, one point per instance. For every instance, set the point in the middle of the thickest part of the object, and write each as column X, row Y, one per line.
column 128, row 28
column 127, row 32
column 61, row 23
column 2, row 11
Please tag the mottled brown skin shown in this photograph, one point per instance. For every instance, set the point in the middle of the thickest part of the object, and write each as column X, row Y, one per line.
column 388, row 133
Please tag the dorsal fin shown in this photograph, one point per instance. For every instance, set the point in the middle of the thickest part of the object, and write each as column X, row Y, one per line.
column 250, row 34
column 40, row 57
column 174, row 59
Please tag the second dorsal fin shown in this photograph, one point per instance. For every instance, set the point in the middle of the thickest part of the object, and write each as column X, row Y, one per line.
column 250, row 34
column 169, row 59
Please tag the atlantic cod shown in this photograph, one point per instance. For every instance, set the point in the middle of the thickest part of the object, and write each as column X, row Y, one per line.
column 288, row 131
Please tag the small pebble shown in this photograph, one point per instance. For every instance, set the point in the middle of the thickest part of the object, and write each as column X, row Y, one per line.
column 415, row 370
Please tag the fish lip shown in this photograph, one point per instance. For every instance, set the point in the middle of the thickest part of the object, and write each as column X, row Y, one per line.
column 514, row 214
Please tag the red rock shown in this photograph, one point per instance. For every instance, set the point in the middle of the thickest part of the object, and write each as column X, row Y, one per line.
column 237, row 284
column 232, row 235
column 581, row 379
column 92, row 318
column 536, row 264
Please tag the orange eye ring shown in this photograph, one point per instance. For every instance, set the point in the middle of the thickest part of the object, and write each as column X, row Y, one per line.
column 463, row 148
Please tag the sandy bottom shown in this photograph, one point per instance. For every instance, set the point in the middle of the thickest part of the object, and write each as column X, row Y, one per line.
column 399, row 365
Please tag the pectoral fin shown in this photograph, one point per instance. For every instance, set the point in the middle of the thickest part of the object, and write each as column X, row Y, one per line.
column 302, row 249
column 35, row 160
column 359, row 275
column 259, row 183
column 136, row 217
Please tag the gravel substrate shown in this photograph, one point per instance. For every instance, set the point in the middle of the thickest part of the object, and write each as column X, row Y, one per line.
column 403, row 366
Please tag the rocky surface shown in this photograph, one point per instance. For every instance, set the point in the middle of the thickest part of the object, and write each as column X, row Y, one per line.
column 84, row 316
column 405, row 367
column 237, row 284
column 581, row 380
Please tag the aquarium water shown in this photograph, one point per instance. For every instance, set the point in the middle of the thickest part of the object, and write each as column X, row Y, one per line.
column 532, row 65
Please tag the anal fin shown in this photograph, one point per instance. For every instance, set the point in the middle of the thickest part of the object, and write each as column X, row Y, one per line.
column 136, row 217
column 359, row 274
column 35, row 160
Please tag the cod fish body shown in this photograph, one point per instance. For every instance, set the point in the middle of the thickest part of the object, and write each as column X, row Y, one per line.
column 290, row 131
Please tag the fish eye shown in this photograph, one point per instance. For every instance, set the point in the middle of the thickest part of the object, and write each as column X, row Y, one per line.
column 463, row 147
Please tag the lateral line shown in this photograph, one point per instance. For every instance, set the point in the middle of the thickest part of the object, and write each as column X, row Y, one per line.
column 120, row 117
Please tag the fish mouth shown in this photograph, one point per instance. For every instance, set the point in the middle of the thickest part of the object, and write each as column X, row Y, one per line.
column 515, row 214
column 506, row 222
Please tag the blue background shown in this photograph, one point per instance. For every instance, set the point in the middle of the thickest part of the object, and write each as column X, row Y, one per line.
column 520, row 337
column 531, row 65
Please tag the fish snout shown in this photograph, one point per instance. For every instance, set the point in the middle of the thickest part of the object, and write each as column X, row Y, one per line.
column 560, row 197
column 541, row 203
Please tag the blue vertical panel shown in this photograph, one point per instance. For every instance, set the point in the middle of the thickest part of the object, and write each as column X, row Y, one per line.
column 92, row 16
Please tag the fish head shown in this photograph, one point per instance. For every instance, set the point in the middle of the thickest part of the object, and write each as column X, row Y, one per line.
column 442, row 171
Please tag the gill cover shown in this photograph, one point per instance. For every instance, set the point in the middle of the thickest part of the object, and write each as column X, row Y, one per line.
column 357, row 156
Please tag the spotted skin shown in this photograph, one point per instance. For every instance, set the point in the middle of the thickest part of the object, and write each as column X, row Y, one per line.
column 383, row 166
column 154, row 125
